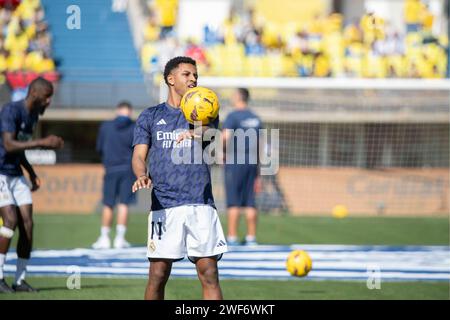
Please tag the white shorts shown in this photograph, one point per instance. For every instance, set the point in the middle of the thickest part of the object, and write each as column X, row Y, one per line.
column 14, row 191
column 194, row 230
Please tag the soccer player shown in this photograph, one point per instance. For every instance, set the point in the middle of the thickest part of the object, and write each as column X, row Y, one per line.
column 240, row 177
column 114, row 143
column 17, row 122
column 183, row 218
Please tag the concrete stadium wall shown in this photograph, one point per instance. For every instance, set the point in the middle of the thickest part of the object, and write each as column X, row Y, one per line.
column 76, row 189
column 386, row 192
column 308, row 191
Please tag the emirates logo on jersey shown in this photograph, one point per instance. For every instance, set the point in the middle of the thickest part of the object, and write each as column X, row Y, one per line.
column 168, row 139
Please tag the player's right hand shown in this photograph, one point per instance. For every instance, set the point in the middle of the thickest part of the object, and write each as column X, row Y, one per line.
column 35, row 183
column 52, row 142
column 141, row 183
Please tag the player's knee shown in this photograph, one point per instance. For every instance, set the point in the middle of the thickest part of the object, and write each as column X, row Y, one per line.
column 6, row 232
column 158, row 275
column 28, row 225
column 10, row 221
column 209, row 276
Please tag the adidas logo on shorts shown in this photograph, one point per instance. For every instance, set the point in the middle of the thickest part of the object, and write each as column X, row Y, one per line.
column 221, row 244
column 161, row 122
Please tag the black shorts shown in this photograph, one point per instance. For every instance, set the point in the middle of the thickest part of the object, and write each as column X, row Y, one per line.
column 117, row 188
column 240, row 185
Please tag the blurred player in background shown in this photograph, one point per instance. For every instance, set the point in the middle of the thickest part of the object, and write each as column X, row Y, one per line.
column 240, row 177
column 114, row 143
column 183, row 218
column 17, row 123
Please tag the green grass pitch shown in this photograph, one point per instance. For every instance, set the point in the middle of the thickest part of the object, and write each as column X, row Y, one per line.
column 71, row 231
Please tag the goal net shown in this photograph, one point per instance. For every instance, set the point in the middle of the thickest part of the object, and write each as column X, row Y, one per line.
column 377, row 147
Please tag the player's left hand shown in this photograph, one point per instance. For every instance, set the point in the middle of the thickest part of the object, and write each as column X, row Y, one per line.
column 187, row 135
column 35, row 183
column 143, row 182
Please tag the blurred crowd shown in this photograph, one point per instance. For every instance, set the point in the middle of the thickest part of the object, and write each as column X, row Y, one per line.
column 328, row 46
column 25, row 44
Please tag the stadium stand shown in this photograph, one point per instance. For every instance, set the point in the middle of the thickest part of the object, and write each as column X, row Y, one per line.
column 25, row 45
column 101, row 50
column 97, row 59
column 249, row 44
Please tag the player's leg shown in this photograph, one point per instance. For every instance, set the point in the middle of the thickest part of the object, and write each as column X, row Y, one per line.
column 9, row 217
column 122, row 214
column 109, row 187
column 208, row 275
column 24, row 247
column 24, row 209
column 205, row 245
column 250, row 204
column 107, row 216
column 126, row 197
column 166, row 244
column 121, row 227
column 103, row 241
column 252, row 220
column 232, row 201
column 159, row 272
column 233, row 214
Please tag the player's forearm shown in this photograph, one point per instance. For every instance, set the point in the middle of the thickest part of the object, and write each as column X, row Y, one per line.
column 12, row 146
column 27, row 166
column 139, row 166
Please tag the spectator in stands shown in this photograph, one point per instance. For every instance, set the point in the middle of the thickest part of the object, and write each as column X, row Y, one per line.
column 240, row 175
column 196, row 52
column 167, row 11
column 253, row 44
column 152, row 29
column 27, row 42
column 298, row 43
column 321, row 65
column 114, row 143
column 412, row 13
column 366, row 47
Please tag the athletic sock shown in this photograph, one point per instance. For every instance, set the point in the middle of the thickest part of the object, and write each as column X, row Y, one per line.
column 231, row 238
column 104, row 231
column 2, row 262
column 21, row 270
column 120, row 231
column 250, row 238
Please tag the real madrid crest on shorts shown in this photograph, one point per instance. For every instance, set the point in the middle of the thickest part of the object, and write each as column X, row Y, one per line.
column 151, row 246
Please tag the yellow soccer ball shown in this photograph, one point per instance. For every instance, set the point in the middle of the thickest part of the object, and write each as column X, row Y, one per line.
column 298, row 263
column 200, row 104
column 340, row 211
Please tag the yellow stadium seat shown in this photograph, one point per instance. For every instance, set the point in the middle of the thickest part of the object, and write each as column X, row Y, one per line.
column 148, row 51
column 375, row 66
column 354, row 66
column 3, row 63
column 273, row 65
column 32, row 61
column 15, row 62
column 16, row 44
column 254, row 66
column 46, row 65
column 167, row 11
column 396, row 65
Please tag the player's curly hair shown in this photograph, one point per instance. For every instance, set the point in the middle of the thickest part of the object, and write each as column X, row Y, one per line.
column 173, row 64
